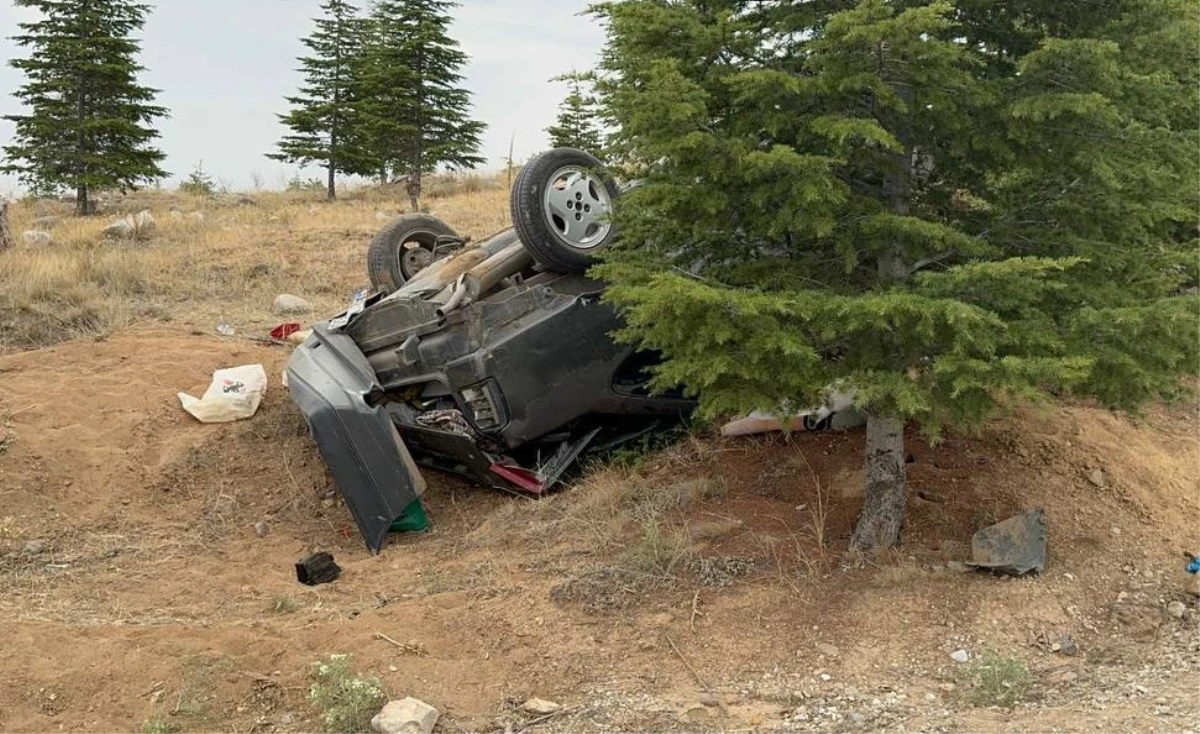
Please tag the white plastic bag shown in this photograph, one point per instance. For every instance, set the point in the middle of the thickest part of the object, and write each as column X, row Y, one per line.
column 234, row 394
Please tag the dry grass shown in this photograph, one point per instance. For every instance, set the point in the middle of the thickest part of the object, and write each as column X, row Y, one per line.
column 227, row 268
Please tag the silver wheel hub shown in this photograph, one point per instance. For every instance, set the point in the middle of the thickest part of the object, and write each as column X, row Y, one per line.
column 577, row 206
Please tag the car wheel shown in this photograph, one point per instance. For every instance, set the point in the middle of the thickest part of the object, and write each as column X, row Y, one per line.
column 404, row 248
column 561, row 207
column 813, row 423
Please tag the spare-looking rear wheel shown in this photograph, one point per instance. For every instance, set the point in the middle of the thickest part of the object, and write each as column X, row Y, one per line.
column 404, row 248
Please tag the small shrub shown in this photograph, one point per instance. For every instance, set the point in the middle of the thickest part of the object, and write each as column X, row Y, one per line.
column 158, row 724
column 346, row 701
column 995, row 680
column 657, row 550
column 198, row 182
column 283, row 605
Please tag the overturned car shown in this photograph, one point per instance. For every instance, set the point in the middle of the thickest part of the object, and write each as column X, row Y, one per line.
column 493, row 361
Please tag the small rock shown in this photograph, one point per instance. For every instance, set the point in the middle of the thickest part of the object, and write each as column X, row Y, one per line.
column 857, row 718
column 157, row 696
column 261, row 529
column 37, row 238
column 540, row 707
column 288, row 304
column 1122, row 596
column 710, row 700
column 1115, row 530
column 1096, row 477
column 960, row 656
column 957, row 567
column 1177, row 609
column 406, row 716
column 34, row 547
column 826, row 677
column 931, row 697
column 947, row 687
column 828, row 650
column 697, row 713
column 1066, row 645
column 244, row 200
column 44, row 223
column 327, row 502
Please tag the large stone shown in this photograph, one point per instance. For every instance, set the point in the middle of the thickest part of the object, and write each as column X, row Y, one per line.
column 405, row 716
column 540, row 707
column 37, row 238
column 1016, row 546
column 140, row 226
column 287, row 304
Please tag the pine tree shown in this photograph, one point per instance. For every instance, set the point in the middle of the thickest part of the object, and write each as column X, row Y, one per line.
column 576, row 126
column 323, row 122
column 415, row 115
column 88, row 126
column 943, row 207
column 198, row 182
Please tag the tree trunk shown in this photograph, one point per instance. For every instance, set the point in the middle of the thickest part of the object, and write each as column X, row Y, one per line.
column 414, row 191
column 331, row 184
column 887, row 485
column 83, row 205
column 6, row 240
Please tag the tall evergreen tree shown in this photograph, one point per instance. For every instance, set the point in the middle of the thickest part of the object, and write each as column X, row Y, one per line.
column 325, row 127
column 415, row 114
column 577, row 125
column 88, row 125
column 941, row 206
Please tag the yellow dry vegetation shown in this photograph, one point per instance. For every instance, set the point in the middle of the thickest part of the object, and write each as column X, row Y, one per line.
column 212, row 259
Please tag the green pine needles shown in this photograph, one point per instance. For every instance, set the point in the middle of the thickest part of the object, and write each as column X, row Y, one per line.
column 382, row 96
column 936, row 204
column 88, row 125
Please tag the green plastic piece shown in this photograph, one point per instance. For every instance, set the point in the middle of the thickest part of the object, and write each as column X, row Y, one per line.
column 414, row 519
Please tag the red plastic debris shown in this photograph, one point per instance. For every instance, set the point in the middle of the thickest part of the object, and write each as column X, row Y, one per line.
column 283, row 331
column 523, row 478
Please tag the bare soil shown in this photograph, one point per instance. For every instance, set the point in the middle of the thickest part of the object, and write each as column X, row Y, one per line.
column 703, row 588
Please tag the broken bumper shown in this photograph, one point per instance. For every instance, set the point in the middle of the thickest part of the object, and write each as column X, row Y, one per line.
column 330, row 380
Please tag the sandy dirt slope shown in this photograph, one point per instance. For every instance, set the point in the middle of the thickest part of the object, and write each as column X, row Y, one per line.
column 134, row 585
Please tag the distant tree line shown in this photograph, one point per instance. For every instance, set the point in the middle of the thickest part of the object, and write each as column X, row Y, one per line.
column 381, row 97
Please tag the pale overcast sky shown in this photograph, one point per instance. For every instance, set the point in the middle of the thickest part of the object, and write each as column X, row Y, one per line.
column 223, row 67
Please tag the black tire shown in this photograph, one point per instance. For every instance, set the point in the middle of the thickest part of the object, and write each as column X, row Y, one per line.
column 542, row 233
column 385, row 258
column 811, row 423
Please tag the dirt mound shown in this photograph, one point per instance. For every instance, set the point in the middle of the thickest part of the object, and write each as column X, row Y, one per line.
column 136, row 588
